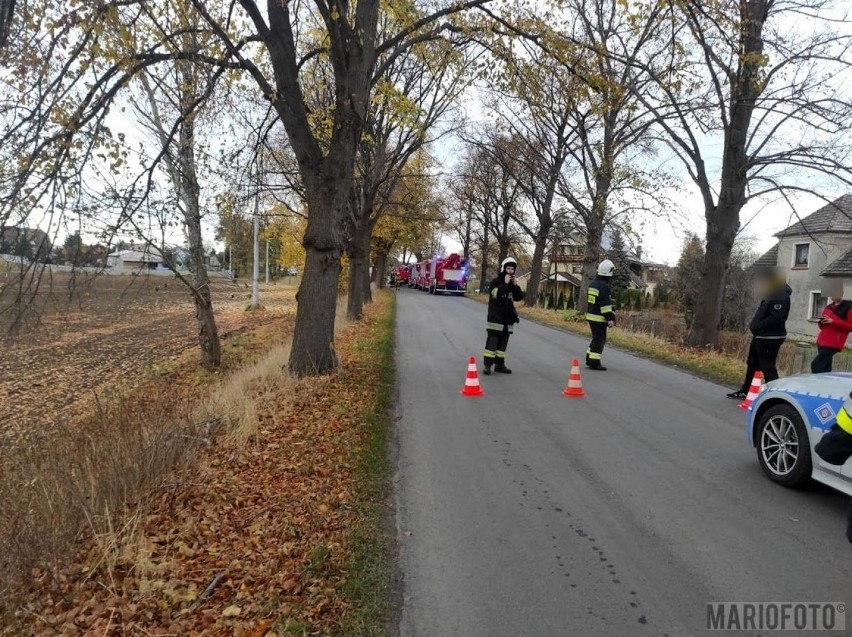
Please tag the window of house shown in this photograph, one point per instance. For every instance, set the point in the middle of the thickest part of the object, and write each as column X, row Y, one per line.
column 801, row 253
column 817, row 304
column 577, row 269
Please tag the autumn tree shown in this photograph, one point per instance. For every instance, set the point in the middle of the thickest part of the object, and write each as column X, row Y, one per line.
column 416, row 93
column 617, row 253
column 536, row 102
column 610, row 176
column 492, row 172
column 688, row 276
column 288, row 230
column 748, row 97
column 171, row 99
column 411, row 213
column 72, row 64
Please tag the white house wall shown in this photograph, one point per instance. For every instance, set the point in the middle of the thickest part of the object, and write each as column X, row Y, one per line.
column 824, row 250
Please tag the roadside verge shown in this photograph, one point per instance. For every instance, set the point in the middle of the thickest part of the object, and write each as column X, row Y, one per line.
column 278, row 528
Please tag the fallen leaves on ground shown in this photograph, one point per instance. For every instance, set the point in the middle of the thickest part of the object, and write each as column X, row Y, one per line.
column 254, row 541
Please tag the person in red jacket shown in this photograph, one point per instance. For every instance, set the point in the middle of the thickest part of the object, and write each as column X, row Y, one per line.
column 834, row 328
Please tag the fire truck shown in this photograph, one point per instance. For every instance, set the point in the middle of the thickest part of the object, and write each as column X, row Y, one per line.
column 447, row 275
column 438, row 275
column 402, row 274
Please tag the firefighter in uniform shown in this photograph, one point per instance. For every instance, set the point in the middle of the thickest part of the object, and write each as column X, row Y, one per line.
column 502, row 316
column 835, row 447
column 599, row 314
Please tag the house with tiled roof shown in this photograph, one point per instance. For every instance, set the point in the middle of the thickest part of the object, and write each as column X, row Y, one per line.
column 563, row 271
column 811, row 251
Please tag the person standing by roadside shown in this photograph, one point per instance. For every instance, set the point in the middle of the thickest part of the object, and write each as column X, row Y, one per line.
column 502, row 316
column 834, row 328
column 599, row 314
column 768, row 328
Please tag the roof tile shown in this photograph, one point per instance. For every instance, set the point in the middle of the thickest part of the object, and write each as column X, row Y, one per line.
column 833, row 217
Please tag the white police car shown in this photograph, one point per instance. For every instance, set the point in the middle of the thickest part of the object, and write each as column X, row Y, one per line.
column 787, row 420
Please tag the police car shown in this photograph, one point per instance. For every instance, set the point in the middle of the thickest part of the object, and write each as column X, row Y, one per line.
column 787, row 420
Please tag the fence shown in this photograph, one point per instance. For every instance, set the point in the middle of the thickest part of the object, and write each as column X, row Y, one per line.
column 795, row 356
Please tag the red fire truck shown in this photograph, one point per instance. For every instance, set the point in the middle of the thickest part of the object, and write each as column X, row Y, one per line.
column 447, row 275
column 402, row 274
column 437, row 275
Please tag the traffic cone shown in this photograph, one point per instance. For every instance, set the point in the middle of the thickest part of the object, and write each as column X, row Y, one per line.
column 471, row 384
column 754, row 390
column 575, row 383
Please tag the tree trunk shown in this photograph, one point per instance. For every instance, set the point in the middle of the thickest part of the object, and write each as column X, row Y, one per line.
column 504, row 251
column 313, row 335
column 467, row 232
column 381, row 266
column 359, row 271
column 368, row 279
column 483, row 267
column 531, row 297
column 722, row 230
column 208, row 332
column 723, row 219
column 189, row 192
column 591, row 257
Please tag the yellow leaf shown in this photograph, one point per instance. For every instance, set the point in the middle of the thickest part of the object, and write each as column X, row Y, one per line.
column 232, row 611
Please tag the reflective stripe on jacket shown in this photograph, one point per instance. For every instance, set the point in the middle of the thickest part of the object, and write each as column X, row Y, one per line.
column 844, row 420
column 599, row 304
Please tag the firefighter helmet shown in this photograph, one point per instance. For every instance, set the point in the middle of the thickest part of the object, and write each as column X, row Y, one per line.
column 506, row 262
column 606, row 268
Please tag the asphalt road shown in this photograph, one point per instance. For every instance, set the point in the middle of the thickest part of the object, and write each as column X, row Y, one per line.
column 623, row 513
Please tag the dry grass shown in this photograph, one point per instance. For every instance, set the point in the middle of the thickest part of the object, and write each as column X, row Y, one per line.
column 92, row 476
column 237, row 402
column 88, row 479
column 288, row 517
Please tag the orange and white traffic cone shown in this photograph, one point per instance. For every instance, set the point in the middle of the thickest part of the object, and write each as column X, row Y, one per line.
column 471, row 384
column 754, row 390
column 575, row 383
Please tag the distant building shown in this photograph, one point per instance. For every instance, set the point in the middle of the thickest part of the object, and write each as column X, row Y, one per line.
column 136, row 259
column 564, row 268
column 154, row 261
column 809, row 251
column 31, row 243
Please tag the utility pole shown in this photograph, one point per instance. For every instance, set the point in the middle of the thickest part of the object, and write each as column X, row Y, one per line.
column 267, row 261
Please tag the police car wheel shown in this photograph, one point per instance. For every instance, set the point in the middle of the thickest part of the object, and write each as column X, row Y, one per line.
column 783, row 447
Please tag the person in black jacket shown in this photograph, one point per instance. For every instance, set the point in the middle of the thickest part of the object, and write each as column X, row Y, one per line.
column 502, row 316
column 599, row 314
column 769, row 330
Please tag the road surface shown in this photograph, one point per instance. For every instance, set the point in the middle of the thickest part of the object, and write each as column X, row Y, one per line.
column 623, row 513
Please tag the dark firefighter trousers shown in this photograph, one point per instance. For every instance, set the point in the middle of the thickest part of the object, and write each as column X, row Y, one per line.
column 495, row 347
column 596, row 347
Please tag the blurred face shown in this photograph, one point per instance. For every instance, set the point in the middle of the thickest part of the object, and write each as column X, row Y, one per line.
column 510, row 269
column 767, row 283
column 833, row 289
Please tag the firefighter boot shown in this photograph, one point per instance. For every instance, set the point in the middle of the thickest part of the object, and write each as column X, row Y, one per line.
column 486, row 366
column 501, row 368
